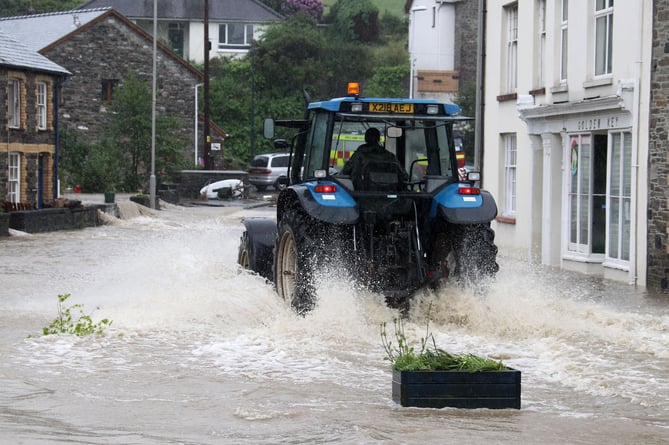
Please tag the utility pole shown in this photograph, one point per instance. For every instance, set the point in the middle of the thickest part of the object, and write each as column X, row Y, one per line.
column 207, row 48
column 152, row 178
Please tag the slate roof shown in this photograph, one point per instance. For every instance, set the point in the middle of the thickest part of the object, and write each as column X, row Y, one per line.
column 219, row 10
column 40, row 30
column 17, row 55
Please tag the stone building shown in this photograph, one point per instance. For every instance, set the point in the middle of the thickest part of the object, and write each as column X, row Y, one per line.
column 100, row 47
column 29, row 85
column 658, row 153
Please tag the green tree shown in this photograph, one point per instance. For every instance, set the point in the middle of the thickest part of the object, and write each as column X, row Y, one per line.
column 388, row 81
column 355, row 20
column 95, row 168
column 297, row 55
column 129, row 130
column 274, row 4
column 121, row 159
column 10, row 8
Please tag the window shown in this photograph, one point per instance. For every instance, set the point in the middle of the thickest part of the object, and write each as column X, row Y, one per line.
column 14, row 191
column 541, row 37
column 107, row 89
column 512, row 48
column 510, row 162
column 175, row 35
column 603, row 37
column 564, row 41
column 619, row 196
column 579, row 193
column 315, row 157
column 41, row 105
column 235, row 36
column 587, row 196
column 14, row 103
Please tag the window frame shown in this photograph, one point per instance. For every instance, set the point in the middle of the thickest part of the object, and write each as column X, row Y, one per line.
column 603, row 44
column 41, row 94
column 107, row 87
column 224, row 40
column 14, row 177
column 541, row 42
column 14, row 103
column 579, row 196
column 510, row 144
column 564, row 41
column 619, row 195
column 511, row 15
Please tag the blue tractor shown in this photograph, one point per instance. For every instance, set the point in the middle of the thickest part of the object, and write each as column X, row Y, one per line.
column 399, row 226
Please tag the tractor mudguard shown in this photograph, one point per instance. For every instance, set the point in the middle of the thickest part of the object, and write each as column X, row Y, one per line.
column 455, row 208
column 261, row 237
column 337, row 207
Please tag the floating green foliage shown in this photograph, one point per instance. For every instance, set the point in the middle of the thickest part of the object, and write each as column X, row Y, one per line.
column 70, row 322
column 405, row 357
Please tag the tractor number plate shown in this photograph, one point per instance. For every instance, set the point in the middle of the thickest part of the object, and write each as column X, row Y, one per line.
column 387, row 107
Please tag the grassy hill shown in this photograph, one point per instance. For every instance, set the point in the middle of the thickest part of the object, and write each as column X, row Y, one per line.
column 394, row 7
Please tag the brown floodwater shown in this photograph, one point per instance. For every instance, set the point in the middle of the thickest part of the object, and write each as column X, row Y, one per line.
column 199, row 352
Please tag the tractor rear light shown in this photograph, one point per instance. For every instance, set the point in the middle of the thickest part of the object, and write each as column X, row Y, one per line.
column 356, row 107
column 469, row 191
column 433, row 109
column 325, row 188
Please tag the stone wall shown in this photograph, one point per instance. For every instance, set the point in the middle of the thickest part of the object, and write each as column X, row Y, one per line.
column 107, row 51
column 466, row 38
column 50, row 220
column 657, row 274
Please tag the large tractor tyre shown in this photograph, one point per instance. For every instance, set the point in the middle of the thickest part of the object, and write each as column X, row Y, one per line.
column 476, row 253
column 294, row 261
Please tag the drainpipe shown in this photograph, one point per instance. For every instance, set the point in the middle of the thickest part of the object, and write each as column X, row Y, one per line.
column 480, row 90
column 633, row 272
column 56, row 128
column 635, row 185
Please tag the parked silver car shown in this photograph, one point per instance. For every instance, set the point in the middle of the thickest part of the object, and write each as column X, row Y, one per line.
column 266, row 169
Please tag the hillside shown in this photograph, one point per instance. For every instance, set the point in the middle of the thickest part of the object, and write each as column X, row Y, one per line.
column 394, row 7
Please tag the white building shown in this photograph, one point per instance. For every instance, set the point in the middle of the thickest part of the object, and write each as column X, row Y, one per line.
column 233, row 24
column 432, row 49
column 567, row 89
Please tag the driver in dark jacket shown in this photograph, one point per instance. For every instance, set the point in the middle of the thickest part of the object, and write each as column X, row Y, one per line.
column 371, row 150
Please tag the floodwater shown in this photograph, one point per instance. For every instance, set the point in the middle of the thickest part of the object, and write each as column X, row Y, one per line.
column 201, row 353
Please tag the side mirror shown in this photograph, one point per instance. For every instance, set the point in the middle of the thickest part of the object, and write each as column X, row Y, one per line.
column 268, row 128
column 393, row 132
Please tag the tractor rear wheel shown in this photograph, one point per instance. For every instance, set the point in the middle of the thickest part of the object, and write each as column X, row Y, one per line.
column 466, row 253
column 294, row 262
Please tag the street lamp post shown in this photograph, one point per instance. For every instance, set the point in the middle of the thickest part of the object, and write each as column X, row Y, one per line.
column 197, row 136
column 152, row 179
